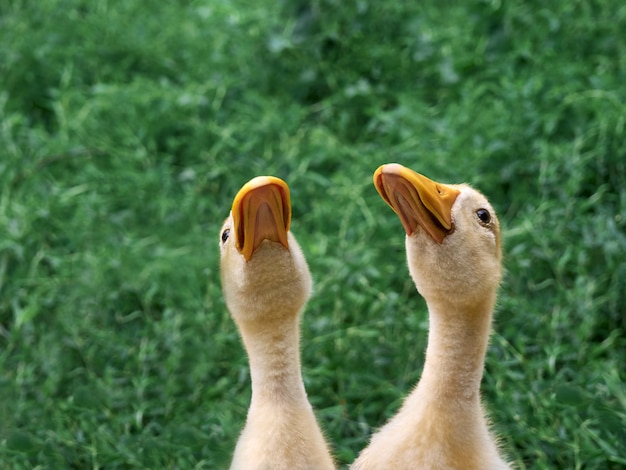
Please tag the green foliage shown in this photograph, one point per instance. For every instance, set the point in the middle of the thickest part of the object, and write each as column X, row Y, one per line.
column 126, row 128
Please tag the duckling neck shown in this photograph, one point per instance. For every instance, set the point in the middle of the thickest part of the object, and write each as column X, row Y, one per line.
column 457, row 342
column 274, row 355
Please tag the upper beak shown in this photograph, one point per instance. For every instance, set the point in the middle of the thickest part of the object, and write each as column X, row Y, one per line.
column 261, row 211
column 417, row 200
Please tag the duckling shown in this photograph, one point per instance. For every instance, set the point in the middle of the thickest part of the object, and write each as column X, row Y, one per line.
column 266, row 283
column 454, row 254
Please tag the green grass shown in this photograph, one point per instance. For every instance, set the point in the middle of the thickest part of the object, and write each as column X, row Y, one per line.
column 126, row 129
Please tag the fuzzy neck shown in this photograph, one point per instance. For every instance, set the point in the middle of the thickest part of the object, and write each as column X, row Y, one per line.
column 274, row 355
column 457, row 342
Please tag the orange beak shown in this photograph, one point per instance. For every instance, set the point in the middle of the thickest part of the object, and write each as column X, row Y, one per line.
column 417, row 200
column 261, row 211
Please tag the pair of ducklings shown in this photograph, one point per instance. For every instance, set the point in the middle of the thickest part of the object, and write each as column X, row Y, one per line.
column 454, row 256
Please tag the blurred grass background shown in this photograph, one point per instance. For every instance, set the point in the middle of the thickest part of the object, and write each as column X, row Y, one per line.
column 126, row 129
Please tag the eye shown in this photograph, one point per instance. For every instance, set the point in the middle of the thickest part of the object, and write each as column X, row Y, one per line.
column 483, row 215
column 225, row 235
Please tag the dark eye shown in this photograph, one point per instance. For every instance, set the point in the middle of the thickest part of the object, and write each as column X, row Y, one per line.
column 225, row 235
column 483, row 215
